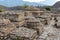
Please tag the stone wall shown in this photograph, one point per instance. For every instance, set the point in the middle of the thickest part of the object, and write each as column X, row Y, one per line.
column 35, row 24
column 33, row 13
column 17, row 17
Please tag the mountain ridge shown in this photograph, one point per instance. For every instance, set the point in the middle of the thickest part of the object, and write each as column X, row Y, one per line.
column 56, row 5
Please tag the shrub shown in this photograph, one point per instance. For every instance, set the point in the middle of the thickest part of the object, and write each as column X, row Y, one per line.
column 25, row 5
column 47, row 8
column 0, row 10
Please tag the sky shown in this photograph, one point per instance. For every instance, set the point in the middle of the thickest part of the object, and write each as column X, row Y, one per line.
column 20, row 2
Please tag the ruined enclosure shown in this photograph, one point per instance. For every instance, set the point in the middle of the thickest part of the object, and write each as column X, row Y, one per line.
column 27, row 25
column 29, row 20
column 16, row 18
column 35, row 14
column 33, row 23
column 13, row 16
column 12, row 23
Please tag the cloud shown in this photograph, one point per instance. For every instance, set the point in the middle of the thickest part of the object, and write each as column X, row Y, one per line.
column 57, row 0
column 34, row 0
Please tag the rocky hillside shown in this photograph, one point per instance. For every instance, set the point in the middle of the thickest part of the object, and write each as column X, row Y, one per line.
column 25, row 8
column 57, row 5
column 28, row 8
column 3, row 7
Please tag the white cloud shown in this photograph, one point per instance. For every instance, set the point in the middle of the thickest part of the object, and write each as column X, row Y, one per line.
column 34, row 0
column 57, row 0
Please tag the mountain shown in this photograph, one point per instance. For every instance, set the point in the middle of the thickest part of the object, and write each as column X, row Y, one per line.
column 19, row 7
column 34, row 4
column 27, row 3
column 3, row 7
column 57, row 5
column 29, row 8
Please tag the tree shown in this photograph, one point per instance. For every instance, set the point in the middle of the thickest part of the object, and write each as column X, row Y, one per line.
column 25, row 5
column 0, row 10
column 47, row 8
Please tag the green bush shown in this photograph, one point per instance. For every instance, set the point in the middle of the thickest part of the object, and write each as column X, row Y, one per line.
column 47, row 8
column 0, row 10
column 25, row 5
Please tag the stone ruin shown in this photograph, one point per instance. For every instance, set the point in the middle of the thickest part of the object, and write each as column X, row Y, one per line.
column 17, row 25
column 33, row 23
column 6, row 27
column 15, row 17
column 24, row 33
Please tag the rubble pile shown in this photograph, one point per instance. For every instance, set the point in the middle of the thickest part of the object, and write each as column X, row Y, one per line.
column 21, row 25
column 23, row 32
column 12, row 23
column 33, row 23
